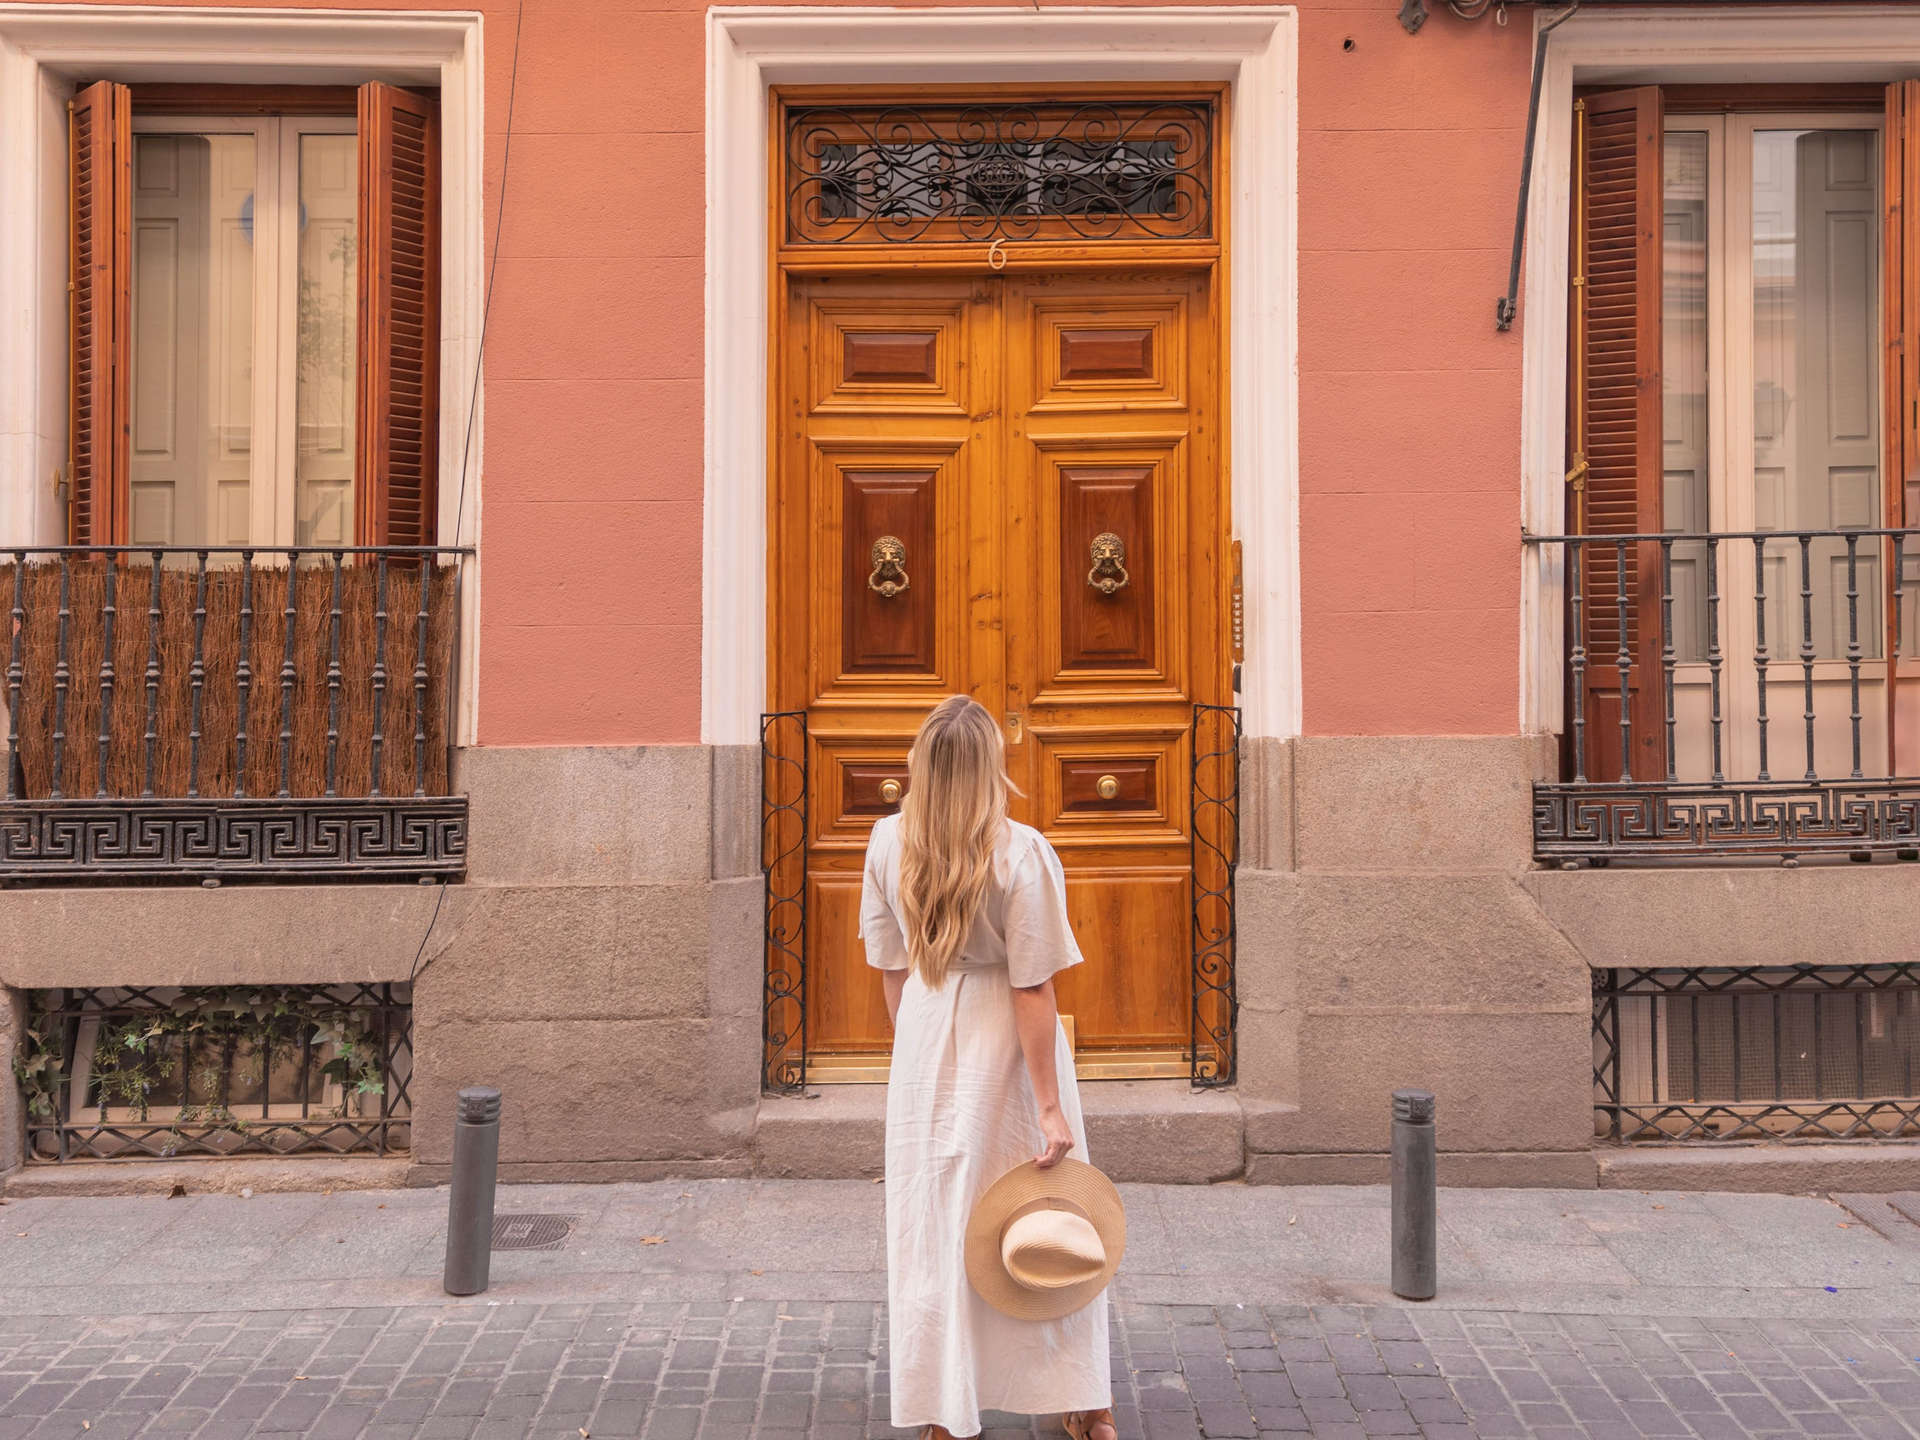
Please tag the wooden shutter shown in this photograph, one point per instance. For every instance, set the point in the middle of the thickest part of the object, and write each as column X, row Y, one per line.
column 396, row 468
column 100, row 141
column 1901, row 328
column 1614, row 473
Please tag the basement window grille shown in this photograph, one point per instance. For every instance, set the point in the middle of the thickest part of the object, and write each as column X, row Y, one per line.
column 149, row 1073
column 1758, row 1053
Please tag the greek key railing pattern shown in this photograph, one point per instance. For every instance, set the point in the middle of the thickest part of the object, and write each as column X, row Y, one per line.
column 1734, row 693
column 116, row 840
column 1646, row 821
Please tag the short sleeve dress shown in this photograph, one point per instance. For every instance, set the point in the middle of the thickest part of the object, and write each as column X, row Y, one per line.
column 960, row 1114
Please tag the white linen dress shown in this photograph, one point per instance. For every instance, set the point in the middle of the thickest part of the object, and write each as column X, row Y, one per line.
column 960, row 1114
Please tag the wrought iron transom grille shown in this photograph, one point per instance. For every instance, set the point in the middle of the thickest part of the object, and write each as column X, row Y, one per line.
column 898, row 174
column 1757, row 1053
column 147, row 1073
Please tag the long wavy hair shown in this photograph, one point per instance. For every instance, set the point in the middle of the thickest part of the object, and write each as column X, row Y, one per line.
column 951, row 821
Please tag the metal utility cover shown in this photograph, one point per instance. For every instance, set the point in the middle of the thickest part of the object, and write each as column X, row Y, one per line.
column 532, row 1232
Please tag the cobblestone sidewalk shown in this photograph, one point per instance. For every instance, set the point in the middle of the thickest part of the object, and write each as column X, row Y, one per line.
column 778, row 1371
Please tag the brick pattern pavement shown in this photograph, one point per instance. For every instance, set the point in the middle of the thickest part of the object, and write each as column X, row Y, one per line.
column 717, row 1371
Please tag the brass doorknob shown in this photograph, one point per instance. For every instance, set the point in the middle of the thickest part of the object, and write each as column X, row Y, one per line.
column 1109, row 555
column 890, row 790
column 1108, row 787
column 889, row 557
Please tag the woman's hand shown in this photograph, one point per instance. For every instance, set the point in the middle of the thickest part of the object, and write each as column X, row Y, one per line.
column 1053, row 1127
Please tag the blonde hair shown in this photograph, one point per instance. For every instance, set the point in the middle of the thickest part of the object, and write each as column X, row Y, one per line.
column 951, row 821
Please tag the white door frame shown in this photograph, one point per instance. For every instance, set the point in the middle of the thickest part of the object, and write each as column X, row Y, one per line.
column 752, row 48
column 1704, row 45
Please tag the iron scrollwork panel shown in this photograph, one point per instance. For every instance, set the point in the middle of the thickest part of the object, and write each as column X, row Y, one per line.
column 783, row 863
column 1215, row 839
column 899, row 174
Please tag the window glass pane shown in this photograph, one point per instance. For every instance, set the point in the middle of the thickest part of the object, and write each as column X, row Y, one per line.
column 192, row 344
column 1683, row 401
column 324, row 392
column 1816, row 374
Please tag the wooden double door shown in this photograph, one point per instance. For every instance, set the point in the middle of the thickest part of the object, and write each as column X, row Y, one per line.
column 1010, row 486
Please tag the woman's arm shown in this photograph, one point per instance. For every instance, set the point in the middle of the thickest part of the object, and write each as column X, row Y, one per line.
column 1037, row 1019
column 896, row 983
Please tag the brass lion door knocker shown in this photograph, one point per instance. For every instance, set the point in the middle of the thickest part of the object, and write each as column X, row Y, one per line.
column 1109, row 554
column 889, row 575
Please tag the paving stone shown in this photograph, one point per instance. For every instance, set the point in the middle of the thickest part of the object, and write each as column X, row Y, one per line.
column 666, row 1371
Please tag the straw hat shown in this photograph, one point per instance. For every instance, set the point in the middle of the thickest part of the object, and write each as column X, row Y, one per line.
column 1042, row 1243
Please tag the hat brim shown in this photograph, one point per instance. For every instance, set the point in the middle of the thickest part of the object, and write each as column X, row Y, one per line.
column 1072, row 1182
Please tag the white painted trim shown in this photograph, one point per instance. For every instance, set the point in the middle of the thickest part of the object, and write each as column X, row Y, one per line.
column 43, row 48
column 1746, row 44
column 751, row 48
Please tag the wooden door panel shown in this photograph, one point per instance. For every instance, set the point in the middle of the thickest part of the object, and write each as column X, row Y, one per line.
column 850, row 769
column 1102, row 351
column 876, row 439
column 846, row 1005
column 1132, row 925
column 888, row 624
column 1108, row 516
column 1145, row 774
column 904, row 357
column 886, row 629
column 1112, row 464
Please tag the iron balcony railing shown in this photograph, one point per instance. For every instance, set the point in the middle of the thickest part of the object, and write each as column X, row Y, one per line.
column 263, row 712
column 1735, row 692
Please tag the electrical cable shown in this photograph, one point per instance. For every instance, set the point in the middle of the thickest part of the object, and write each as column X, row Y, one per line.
column 473, row 393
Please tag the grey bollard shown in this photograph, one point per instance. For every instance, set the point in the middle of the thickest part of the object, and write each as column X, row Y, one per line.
column 476, row 1164
column 1415, row 1196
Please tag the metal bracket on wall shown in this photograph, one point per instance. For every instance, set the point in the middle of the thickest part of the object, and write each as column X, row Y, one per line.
column 1413, row 15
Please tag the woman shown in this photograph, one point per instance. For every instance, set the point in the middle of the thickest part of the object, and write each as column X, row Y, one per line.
column 964, row 912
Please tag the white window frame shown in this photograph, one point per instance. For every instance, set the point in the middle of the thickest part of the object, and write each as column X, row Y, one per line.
column 46, row 48
column 749, row 49
column 1723, row 44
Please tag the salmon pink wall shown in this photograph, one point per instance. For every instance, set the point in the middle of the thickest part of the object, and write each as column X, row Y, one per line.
column 590, row 623
column 1409, row 401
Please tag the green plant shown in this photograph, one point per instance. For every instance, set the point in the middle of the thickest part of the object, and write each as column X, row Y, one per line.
column 198, row 1045
column 39, row 1068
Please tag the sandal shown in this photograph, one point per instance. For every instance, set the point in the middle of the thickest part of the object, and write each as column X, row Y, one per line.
column 1080, row 1423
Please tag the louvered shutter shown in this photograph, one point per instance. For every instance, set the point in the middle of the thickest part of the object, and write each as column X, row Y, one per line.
column 1901, row 327
column 100, row 139
column 396, row 470
column 1615, row 467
